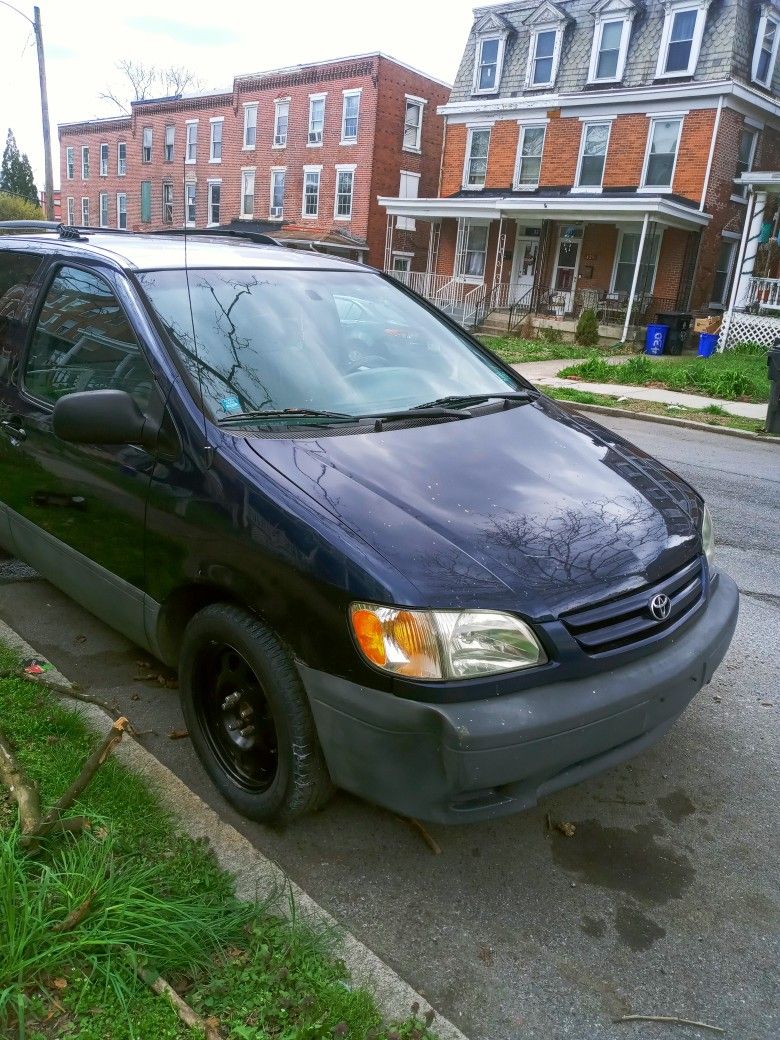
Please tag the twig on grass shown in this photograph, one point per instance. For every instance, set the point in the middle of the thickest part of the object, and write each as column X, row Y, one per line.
column 670, row 1020
column 22, row 789
column 75, row 917
column 191, row 1018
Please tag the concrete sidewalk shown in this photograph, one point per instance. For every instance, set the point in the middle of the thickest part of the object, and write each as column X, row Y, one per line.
column 545, row 373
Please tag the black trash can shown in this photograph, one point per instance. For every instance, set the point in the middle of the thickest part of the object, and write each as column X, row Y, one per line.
column 773, row 409
column 680, row 325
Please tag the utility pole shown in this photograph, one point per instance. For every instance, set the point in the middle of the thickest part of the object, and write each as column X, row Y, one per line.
column 48, row 173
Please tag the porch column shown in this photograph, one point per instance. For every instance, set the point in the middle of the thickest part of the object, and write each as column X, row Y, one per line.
column 723, row 337
column 389, row 242
column 750, row 250
column 634, row 280
column 498, row 264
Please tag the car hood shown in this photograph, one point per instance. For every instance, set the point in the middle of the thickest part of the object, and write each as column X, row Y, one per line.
column 528, row 508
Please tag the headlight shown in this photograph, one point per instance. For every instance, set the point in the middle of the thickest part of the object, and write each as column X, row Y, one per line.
column 443, row 644
column 708, row 537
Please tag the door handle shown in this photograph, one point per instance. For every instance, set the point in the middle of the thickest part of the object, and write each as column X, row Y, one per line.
column 15, row 433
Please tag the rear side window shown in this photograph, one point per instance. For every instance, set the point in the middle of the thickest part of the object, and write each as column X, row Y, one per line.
column 16, row 272
column 83, row 341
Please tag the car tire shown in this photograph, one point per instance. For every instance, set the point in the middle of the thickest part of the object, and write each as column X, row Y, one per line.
column 248, row 717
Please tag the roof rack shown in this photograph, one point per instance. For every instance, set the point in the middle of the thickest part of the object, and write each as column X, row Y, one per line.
column 258, row 237
column 66, row 231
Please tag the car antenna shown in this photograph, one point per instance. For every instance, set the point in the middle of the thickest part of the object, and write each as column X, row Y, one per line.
column 208, row 451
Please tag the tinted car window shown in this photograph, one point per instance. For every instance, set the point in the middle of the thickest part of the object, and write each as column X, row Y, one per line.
column 16, row 272
column 286, row 339
column 83, row 341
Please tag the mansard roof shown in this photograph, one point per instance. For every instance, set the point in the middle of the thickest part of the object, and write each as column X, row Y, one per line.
column 547, row 13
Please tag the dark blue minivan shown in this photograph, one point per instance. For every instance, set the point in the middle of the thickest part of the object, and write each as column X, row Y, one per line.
column 380, row 559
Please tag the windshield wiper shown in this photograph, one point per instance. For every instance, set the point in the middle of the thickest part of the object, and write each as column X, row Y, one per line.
column 417, row 412
column 285, row 413
column 459, row 400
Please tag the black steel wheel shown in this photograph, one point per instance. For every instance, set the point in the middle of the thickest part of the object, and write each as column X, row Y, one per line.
column 248, row 716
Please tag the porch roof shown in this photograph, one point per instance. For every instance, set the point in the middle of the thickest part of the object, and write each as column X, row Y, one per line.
column 602, row 207
column 761, row 180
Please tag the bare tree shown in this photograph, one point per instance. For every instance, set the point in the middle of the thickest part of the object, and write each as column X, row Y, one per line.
column 142, row 82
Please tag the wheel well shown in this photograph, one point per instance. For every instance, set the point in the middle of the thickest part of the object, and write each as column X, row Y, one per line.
column 177, row 611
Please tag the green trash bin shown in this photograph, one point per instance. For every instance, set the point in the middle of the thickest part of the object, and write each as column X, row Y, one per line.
column 680, row 325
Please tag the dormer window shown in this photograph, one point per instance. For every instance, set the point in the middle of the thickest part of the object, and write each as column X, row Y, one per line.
column 543, row 46
column 681, row 38
column 765, row 53
column 611, row 35
column 546, row 26
column 491, row 34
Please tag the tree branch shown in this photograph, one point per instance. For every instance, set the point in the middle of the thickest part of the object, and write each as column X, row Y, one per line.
column 21, row 787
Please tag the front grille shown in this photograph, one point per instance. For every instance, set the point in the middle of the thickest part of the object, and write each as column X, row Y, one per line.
column 627, row 620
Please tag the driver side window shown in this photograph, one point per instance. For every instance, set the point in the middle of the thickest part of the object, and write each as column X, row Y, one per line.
column 83, row 341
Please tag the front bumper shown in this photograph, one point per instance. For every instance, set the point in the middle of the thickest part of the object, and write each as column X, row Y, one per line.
column 476, row 760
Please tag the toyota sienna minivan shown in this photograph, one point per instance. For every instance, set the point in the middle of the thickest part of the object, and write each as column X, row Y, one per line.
column 379, row 558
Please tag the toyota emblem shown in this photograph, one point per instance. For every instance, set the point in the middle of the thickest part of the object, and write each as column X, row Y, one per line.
column 660, row 607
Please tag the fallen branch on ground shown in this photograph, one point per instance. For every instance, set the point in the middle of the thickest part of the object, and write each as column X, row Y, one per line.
column 22, row 789
column 191, row 1018
column 669, row 1020
column 75, row 917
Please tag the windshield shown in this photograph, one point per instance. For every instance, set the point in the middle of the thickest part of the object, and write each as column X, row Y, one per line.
column 343, row 342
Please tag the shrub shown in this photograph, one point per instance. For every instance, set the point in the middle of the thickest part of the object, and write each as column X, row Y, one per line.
column 587, row 328
column 551, row 335
column 12, row 207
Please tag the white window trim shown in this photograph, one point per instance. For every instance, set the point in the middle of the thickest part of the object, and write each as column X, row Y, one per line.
column 70, row 210
column 274, row 170
column 119, row 171
column 247, row 105
column 659, row 189
column 277, row 103
column 344, row 168
column 187, row 186
column 472, row 279
column 733, row 241
column 735, row 197
column 591, row 188
column 467, row 157
column 84, row 223
column 103, row 144
column 481, row 40
column 622, row 232
column 121, row 195
column 70, row 165
column 312, row 98
column 169, row 126
column 422, row 102
column 625, row 39
column 407, row 223
column 210, row 183
column 102, row 195
column 672, row 8
column 244, row 171
column 318, row 171
column 757, row 50
column 85, row 152
column 354, row 92
column 212, row 122
column 556, row 55
column 145, row 162
column 187, row 125
column 526, row 124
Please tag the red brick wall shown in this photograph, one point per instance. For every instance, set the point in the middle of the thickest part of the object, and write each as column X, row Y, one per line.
column 598, row 251
column 693, row 153
column 626, row 153
column 671, row 258
column 561, row 148
column 501, row 157
column 454, row 156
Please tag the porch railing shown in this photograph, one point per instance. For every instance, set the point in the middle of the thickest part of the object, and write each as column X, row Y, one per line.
column 763, row 294
column 610, row 307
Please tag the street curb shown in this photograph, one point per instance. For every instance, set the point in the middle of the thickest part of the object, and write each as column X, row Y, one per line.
column 665, row 420
column 254, row 874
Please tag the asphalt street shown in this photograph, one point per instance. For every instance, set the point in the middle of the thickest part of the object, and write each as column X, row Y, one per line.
column 665, row 899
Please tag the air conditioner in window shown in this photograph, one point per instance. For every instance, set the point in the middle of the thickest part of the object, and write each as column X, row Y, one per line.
column 315, row 137
column 276, row 211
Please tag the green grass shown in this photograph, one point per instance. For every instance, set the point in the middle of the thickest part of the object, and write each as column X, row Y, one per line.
column 516, row 351
column 734, row 375
column 712, row 415
column 160, row 901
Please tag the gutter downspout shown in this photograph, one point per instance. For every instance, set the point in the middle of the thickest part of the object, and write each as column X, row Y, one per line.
column 711, row 156
column 635, row 279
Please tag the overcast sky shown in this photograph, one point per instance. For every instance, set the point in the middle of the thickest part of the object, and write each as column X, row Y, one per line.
column 84, row 39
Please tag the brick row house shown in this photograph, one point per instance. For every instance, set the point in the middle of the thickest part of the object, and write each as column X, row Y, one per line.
column 301, row 153
column 590, row 159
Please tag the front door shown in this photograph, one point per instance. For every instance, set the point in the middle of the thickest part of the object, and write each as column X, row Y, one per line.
column 566, row 263
column 524, row 266
column 77, row 511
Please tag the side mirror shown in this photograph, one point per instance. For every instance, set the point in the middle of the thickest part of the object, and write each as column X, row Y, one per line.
column 103, row 417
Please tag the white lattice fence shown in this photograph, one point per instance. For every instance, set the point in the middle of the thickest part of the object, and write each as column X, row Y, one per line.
column 750, row 328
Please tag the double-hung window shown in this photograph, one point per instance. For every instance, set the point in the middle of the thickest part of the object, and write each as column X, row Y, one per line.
column 765, row 52
column 146, row 202
column 472, row 251
column 85, row 212
column 250, row 125
column 281, row 121
column 529, row 157
column 593, row 154
column 85, row 163
column 190, row 203
column 316, row 118
column 610, row 46
column 626, row 262
column 409, row 188
column 662, row 144
column 746, row 153
column 121, row 211
column 349, row 116
column 475, row 171
column 167, row 203
column 487, row 66
column 724, row 268
column 311, row 191
column 345, row 189
column 215, row 141
column 170, row 135
column 121, row 158
column 71, row 211
column 681, row 38
column 104, row 160
column 413, row 123
column 146, row 145
column 214, row 202
column 277, row 193
column 543, row 57
column 191, row 146
column 247, row 194
column 69, row 164
column 103, row 208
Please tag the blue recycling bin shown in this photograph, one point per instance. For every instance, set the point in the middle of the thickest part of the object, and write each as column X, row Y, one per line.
column 708, row 344
column 655, row 339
